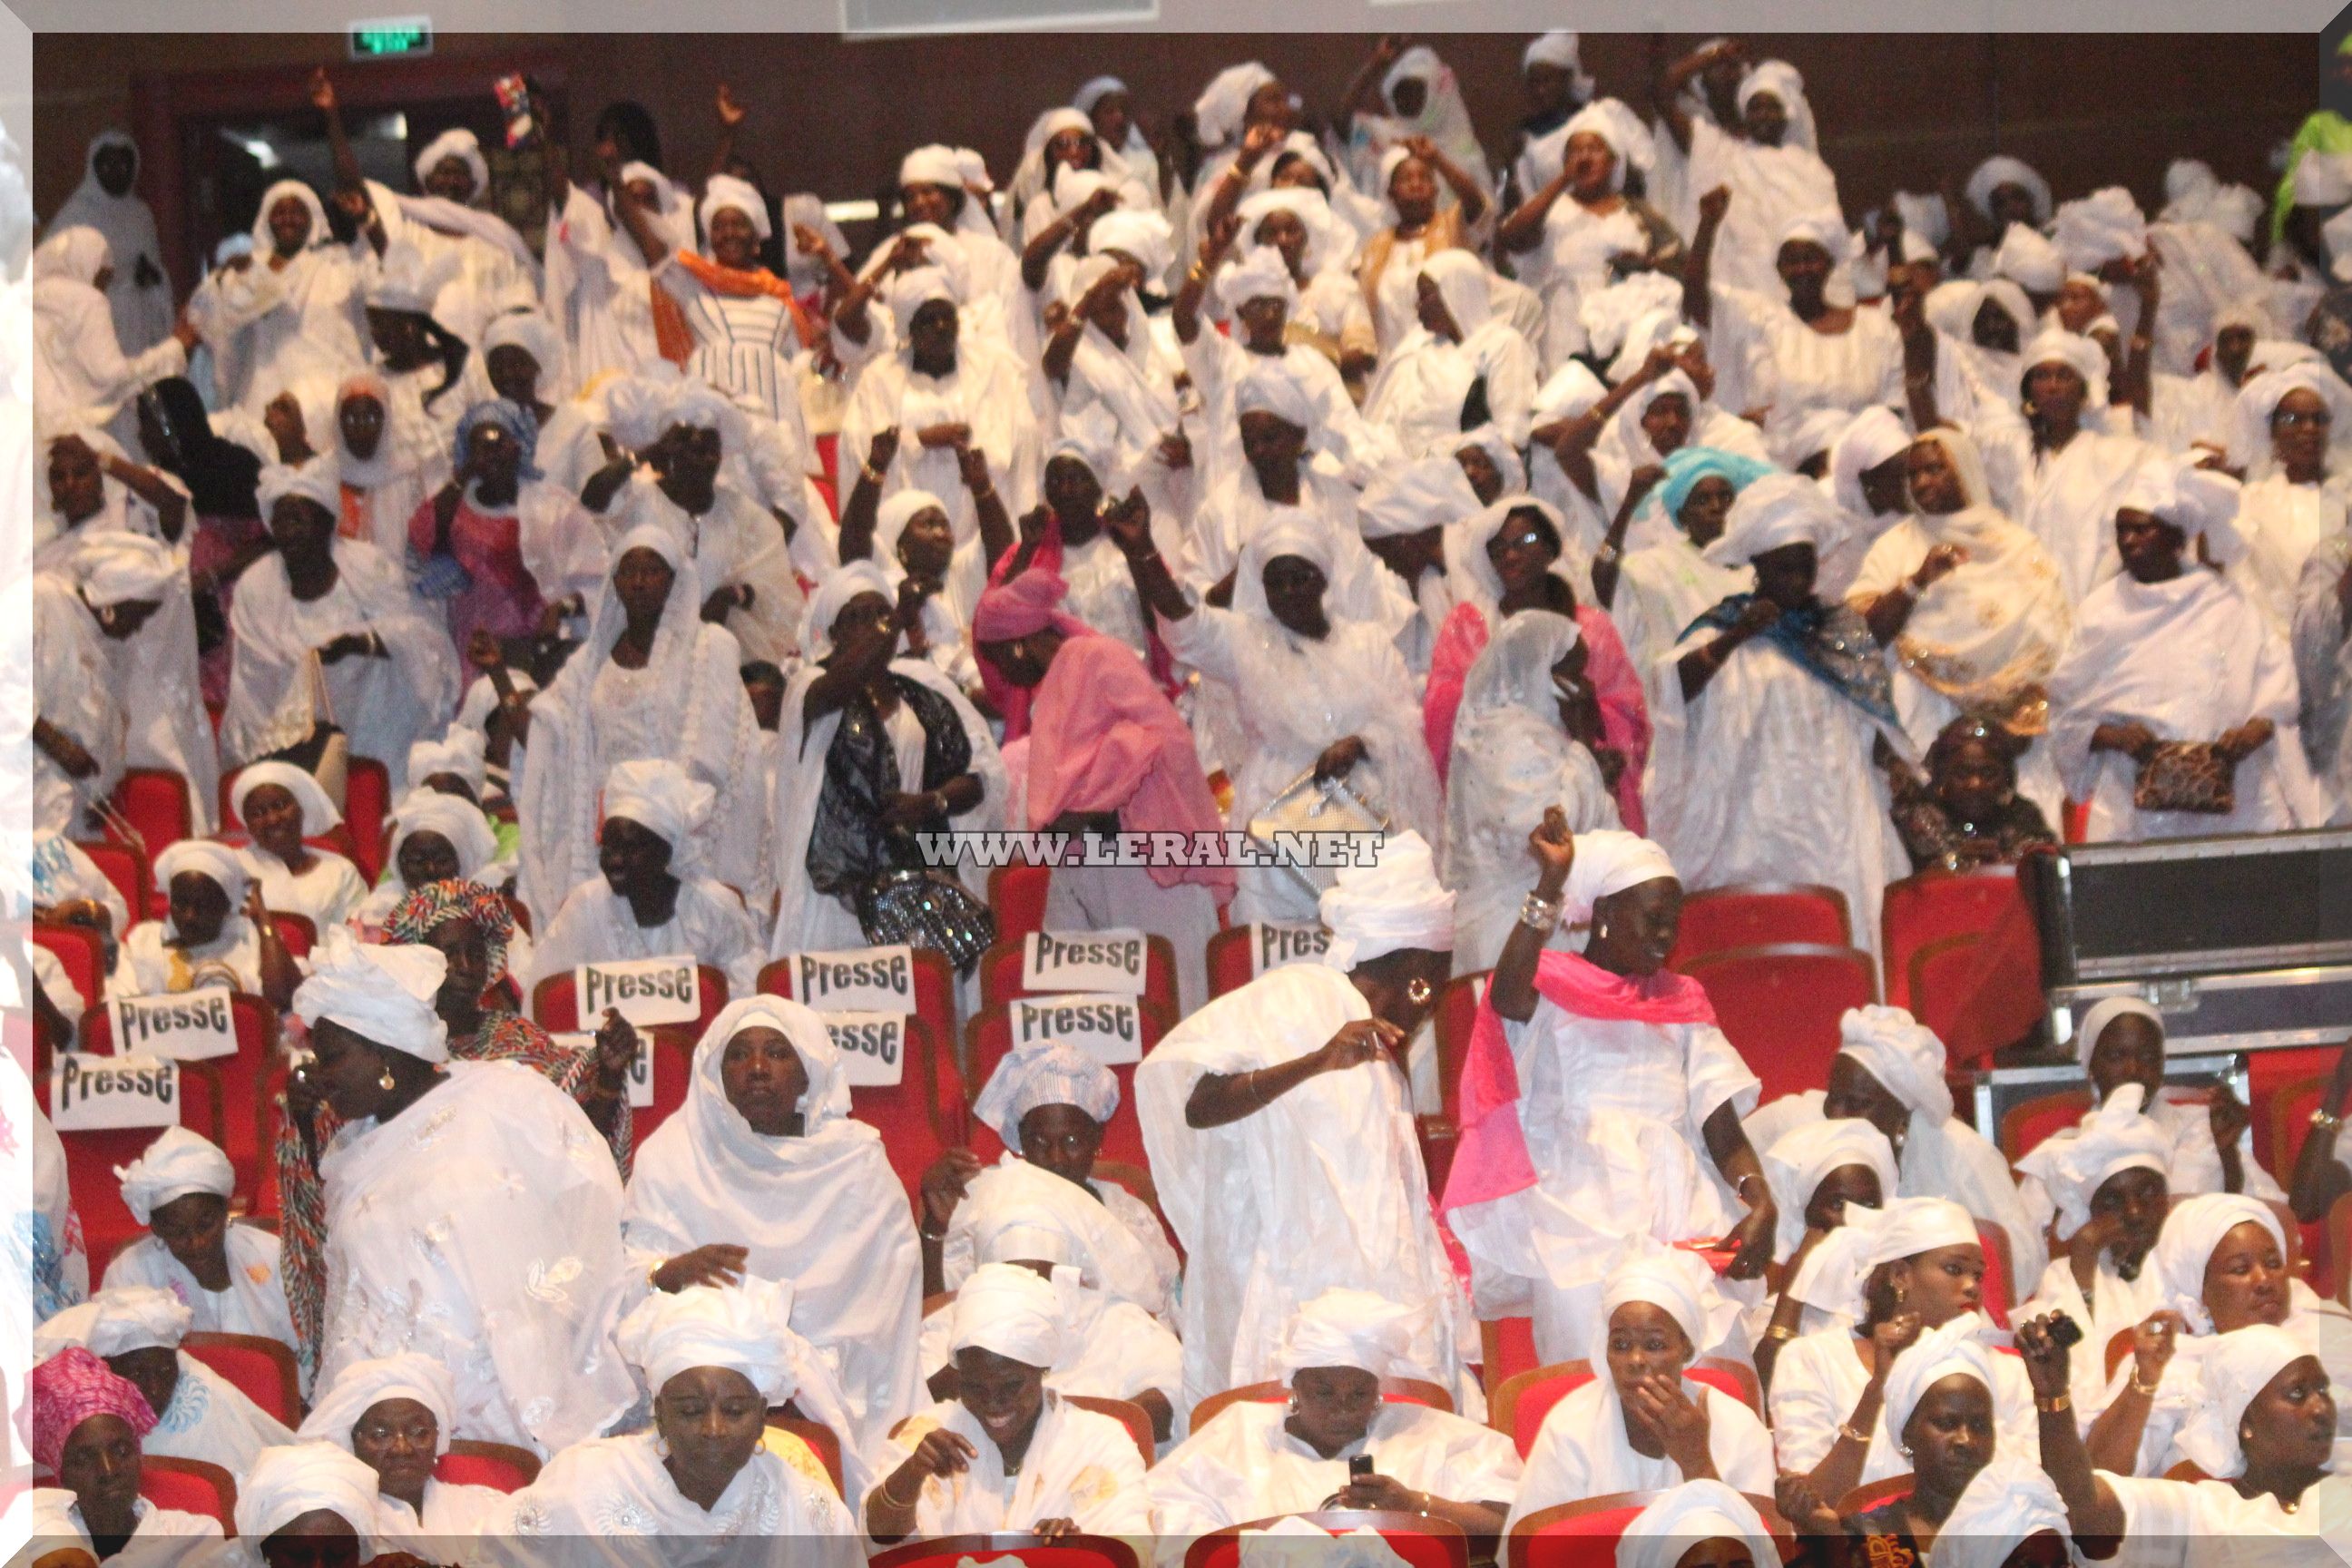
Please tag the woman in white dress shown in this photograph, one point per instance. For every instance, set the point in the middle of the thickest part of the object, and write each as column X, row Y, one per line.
column 1523, row 744
column 1464, row 366
column 1257, row 1461
column 307, row 1504
column 199, row 1415
column 472, row 1211
column 108, row 201
column 394, row 1415
column 702, row 1488
column 1600, row 1100
column 280, row 805
column 329, row 632
column 655, row 681
column 81, row 373
column 2168, row 653
column 1640, row 1423
column 1105, row 355
column 1575, row 225
column 214, row 931
column 435, row 837
column 136, row 591
column 1767, row 161
column 286, row 313
column 1660, row 589
column 388, row 457
column 86, row 1425
column 765, row 1171
column 1006, row 1453
column 1817, row 1171
column 227, row 1272
column 2282, row 436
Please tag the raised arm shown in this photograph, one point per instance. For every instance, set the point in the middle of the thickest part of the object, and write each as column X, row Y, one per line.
column 1465, row 185
column 1840, row 1470
column 2138, row 381
column 1609, row 557
column 866, row 496
column 171, row 506
column 987, row 505
column 2320, row 1177
column 1698, row 263
column 1519, row 230
column 1513, row 991
column 2091, row 1510
column 1186, row 309
column 1038, row 254
column 627, row 208
column 1666, row 89
column 1363, row 95
column 339, row 146
column 731, row 122
column 1129, row 524
column 1571, row 440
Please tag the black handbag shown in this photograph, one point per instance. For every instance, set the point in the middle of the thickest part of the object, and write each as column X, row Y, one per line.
column 927, row 908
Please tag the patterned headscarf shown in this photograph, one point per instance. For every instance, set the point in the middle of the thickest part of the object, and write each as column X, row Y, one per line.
column 434, row 905
column 69, row 1388
column 517, row 422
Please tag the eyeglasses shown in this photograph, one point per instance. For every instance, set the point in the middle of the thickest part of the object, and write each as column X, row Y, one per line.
column 2295, row 418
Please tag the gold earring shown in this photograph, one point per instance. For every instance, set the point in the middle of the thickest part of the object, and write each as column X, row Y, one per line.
column 384, row 1082
column 1417, row 990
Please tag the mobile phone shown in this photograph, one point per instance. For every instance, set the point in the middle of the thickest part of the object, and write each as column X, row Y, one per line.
column 1361, row 1465
column 513, row 93
column 2064, row 1330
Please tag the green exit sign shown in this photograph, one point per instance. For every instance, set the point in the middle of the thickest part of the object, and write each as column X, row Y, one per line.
column 391, row 37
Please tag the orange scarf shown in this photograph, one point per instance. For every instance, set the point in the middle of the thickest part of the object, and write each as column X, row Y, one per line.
column 671, row 333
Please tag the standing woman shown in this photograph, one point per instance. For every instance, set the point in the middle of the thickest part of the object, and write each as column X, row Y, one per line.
column 1417, row 228
column 288, row 314
column 497, row 1167
column 141, row 293
column 388, row 460
column 1577, row 230
column 524, row 361
column 329, row 614
column 2284, row 438
column 1764, row 160
column 178, row 436
column 136, row 590
column 80, row 375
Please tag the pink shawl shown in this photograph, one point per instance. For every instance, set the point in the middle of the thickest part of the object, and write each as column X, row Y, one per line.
column 1013, row 701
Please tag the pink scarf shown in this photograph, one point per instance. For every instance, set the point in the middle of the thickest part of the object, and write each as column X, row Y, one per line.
column 1013, row 701
column 1491, row 1159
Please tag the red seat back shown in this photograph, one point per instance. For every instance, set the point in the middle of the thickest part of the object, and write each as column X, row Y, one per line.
column 1422, row 1540
column 935, row 988
column 1759, row 914
column 2001, row 1292
column 2277, row 1124
column 1456, row 1014
column 500, row 1466
column 261, row 1369
column 156, row 802
column 92, row 1156
column 1017, row 895
column 126, row 869
column 81, row 953
column 1000, row 973
column 367, row 802
column 1229, row 960
column 1521, row 1402
column 2024, row 1125
column 1780, row 1006
column 1584, row 1534
column 190, row 1486
column 1934, row 904
column 1509, row 1345
column 923, row 1115
column 988, row 1040
column 242, row 1113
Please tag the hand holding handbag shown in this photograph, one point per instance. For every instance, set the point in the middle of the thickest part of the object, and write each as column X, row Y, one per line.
column 2187, row 776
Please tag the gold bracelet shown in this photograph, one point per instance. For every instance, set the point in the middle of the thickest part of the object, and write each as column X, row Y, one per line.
column 873, row 475
column 2145, row 1390
column 1846, row 1431
column 653, row 1283
column 2053, row 1406
column 889, row 1501
column 1780, row 1331
column 2325, row 1119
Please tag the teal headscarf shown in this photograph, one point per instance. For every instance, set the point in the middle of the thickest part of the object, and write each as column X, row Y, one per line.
column 1685, row 466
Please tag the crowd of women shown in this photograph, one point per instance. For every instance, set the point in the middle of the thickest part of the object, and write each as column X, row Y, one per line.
column 1607, row 519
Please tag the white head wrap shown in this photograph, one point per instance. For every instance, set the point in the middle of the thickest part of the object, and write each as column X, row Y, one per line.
column 1406, row 498
column 2249, row 418
column 721, row 192
column 1008, row 1310
column 827, row 1098
column 1269, row 387
column 113, row 1322
column 2115, row 1138
column 1093, row 93
column 1835, row 1274
column 459, row 751
column 2104, row 226
column 537, row 336
column 1259, row 274
column 2172, row 489
column 1463, row 282
column 1145, row 236
column 1572, row 390
column 286, row 1482
column 216, row 862
column 911, row 290
column 742, row 1328
column 1358, row 1329
column 430, row 811
column 931, row 165
column 266, row 244
column 1951, row 1351
column 314, row 481
column 1778, row 510
column 1044, row 1072
column 1783, row 81
column 1395, row 903
column 2029, row 260
column 1902, row 1054
column 2009, row 1501
column 1608, row 315
column 1610, row 860
column 660, row 796
column 2002, row 170
column 177, row 1163
column 2237, row 1366
column 1218, row 111
column 2191, row 1231
column 1328, row 241
column 1558, row 50
column 1607, row 118
column 384, row 994
column 1801, row 1159
column 466, row 147
column 1873, row 436
column 1490, row 440
column 1674, row 1279
column 2055, row 345
column 319, row 813
column 404, row 280
column 362, row 1385
column 831, row 596
column 121, row 568
column 1677, row 1520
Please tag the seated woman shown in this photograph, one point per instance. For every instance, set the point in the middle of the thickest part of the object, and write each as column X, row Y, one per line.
column 435, row 837
column 1967, row 812
column 1640, row 1423
column 886, row 746
column 1818, row 1173
column 650, row 900
column 2264, row 1436
column 199, row 1415
column 1302, row 1071
column 524, row 360
column 1006, row 1454
column 279, row 805
column 1940, row 1401
column 1049, row 1102
column 1258, row 1459
column 1664, row 586
column 216, row 931
column 1884, row 1279
column 388, row 458
column 2170, row 663
column 715, row 1361
column 307, row 1505
column 394, row 1415
column 1464, row 366
column 86, row 1425
column 2221, row 1263
column 2104, row 1183
column 227, row 1273
column 1695, row 1523
column 938, row 581
column 763, row 1170
column 2208, row 1134
column 1601, row 1100
column 1527, row 742
column 499, row 1165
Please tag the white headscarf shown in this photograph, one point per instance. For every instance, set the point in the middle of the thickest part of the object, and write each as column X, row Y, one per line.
column 1328, row 241
column 463, row 145
column 535, row 335
column 2029, row 260
column 459, row 751
column 1407, row 498
column 826, row 1100
column 363, row 1385
column 721, row 192
column 430, row 811
column 1776, row 511
column 1835, row 1275
column 319, row 813
column 2055, row 345
column 1395, row 903
column 2002, row 170
column 2250, row 421
column 738, row 1327
column 2104, row 226
column 113, row 1322
column 264, row 244
column 1044, row 1072
column 1781, row 79
column 831, row 596
column 659, row 797
column 1685, row 1516
column 2172, row 489
column 285, row 1482
column 1801, row 1159
column 1952, row 1351
column 384, row 994
column 1259, row 274
column 2237, row 1366
column 177, row 1163
column 1359, row 1329
column 1217, row 112
column 1902, row 1054
column 1610, row 860
column 315, row 481
column 2009, row 1501
column 213, row 861
column 2115, row 1138
column 1672, row 1279
column 1008, row 1310
column 1873, row 436
column 2185, row 1247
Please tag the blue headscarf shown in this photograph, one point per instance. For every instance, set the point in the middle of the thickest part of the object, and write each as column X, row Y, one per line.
column 1685, row 466
column 509, row 416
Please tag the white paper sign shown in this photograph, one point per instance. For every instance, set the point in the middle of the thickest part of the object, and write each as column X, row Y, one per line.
column 641, row 1071
column 642, row 990
column 873, row 1046
column 1100, row 961
column 187, row 1026
column 91, row 1093
column 1108, row 1028
column 861, row 980
column 1275, row 943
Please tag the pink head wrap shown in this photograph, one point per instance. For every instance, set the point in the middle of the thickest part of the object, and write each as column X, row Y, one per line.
column 1020, row 607
column 69, row 1388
